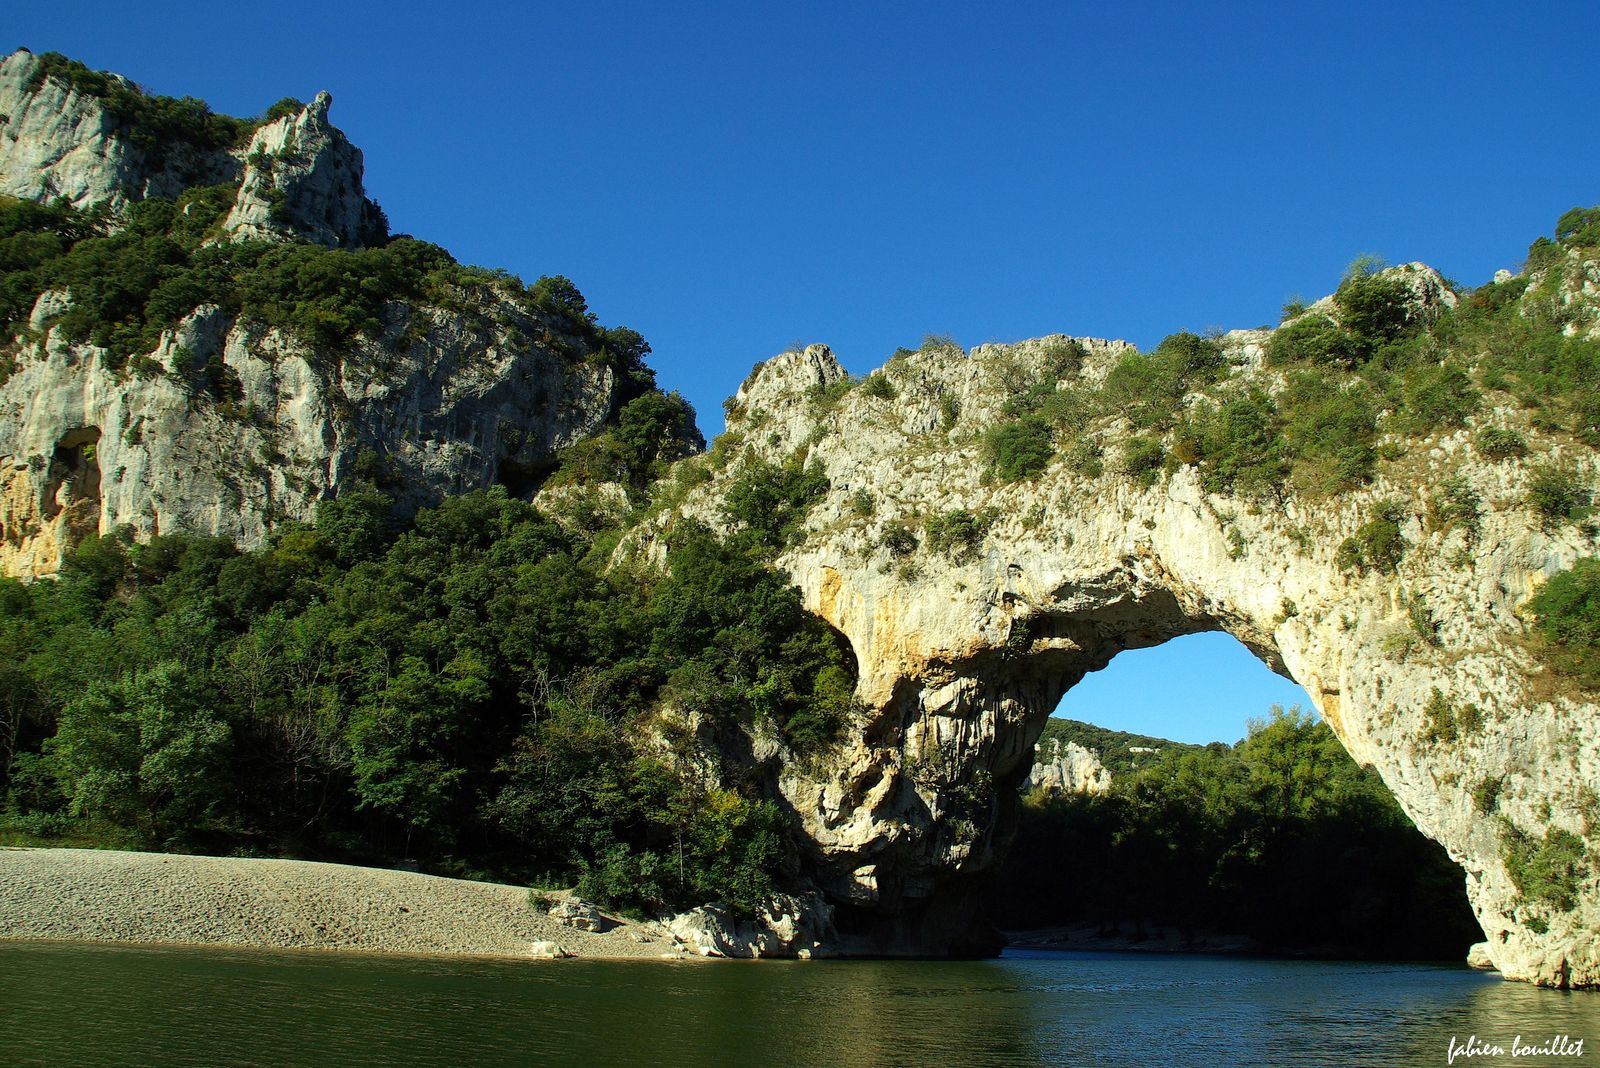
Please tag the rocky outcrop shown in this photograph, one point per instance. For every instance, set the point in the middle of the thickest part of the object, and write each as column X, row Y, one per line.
column 230, row 426
column 59, row 142
column 298, row 177
column 243, row 426
column 578, row 914
column 784, row 926
column 302, row 179
column 964, row 648
column 963, row 655
column 1067, row 769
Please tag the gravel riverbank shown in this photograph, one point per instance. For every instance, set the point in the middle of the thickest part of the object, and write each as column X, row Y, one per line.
column 110, row 896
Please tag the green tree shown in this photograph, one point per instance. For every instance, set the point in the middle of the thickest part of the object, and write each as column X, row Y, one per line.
column 148, row 751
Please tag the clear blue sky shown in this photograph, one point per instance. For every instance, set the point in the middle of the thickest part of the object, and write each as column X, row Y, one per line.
column 730, row 178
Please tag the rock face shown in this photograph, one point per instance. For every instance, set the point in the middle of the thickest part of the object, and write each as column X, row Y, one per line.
column 58, row 142
column 302, row 178
column 963, row 655
column 785, row 926
column 298, row 177
column 442, row 403
column 230, row 426
column 578, row 914
column 1068, row 769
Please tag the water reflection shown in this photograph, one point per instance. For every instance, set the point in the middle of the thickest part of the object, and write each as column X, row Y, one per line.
column 62, row 1004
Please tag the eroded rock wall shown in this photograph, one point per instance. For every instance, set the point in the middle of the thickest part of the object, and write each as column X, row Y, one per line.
column 229, row 426
column 1068, row 769
column 963, row 654
column 299, row 177
column 245, row 426
column 303, row 179
column 56, row 142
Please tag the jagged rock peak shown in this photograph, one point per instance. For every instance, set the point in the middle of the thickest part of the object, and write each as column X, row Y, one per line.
column 795, row 372
column 303, row 179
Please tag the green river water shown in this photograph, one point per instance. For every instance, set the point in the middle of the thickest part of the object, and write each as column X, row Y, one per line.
column 63, row 1004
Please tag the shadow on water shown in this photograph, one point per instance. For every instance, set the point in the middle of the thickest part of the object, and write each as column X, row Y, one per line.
column 71, row 1004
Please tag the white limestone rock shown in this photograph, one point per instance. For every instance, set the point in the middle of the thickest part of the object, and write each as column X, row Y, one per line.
column 443, row 402
column 56, row 142
column 962, row 657
column 1068, row 769
column 547, row 950
column 578, row 914
column 302, row 179
column 784, row 926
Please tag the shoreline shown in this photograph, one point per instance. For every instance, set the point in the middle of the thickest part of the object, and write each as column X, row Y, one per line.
column 115, row 897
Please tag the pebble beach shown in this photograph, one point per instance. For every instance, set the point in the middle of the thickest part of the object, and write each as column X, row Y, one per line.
column 112, row 896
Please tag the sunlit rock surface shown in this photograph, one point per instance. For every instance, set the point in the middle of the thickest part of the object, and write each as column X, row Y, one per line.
column 56, row 142
column 303, row 178
column 962, row 657
column 1067, row 769
column 231, row 426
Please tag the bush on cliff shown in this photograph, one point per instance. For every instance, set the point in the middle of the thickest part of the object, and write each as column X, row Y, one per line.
column 1566, row 619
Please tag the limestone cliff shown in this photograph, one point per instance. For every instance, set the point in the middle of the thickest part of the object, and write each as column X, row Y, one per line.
column 972, row 596
column 59, row 140
column 440, row 403
column 302, row 178
column 230, row 424
column 1421, row 670
column 1067, row 769
column 90, row 137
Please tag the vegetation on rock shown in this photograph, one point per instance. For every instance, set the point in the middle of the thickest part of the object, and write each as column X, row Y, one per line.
column 149, row 121
column 1566, row 620
column 132, row 277
column 1378, row 360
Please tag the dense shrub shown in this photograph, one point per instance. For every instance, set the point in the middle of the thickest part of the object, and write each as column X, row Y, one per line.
column 129, row 284
column 1436, row 397
column 1549, row 871
column 772, row 500
column 1557, row 495
column 1499, row 443
column 878, row 387
column 1019, row 449
column 1377, row 544
column 1149, row 388
column 1566, row 616
column 462, row 685
column 1238, row 444
column 148, row 121
column 1579, row 226
column 900, row 540
column 1375, row 307
column 1330, row 429
column 958, row 533
column 1314, row 339
column 1142, row 459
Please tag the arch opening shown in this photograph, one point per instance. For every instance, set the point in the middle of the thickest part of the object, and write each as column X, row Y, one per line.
column 1187, row 797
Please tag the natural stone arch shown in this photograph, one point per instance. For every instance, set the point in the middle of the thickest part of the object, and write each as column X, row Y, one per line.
column 964, row 654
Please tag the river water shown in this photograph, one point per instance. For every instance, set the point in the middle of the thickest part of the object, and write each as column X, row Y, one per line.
column 66, row 1005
